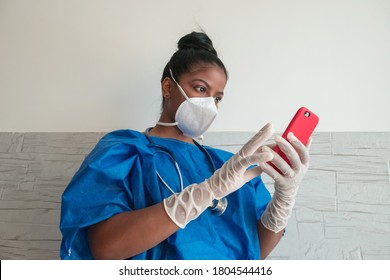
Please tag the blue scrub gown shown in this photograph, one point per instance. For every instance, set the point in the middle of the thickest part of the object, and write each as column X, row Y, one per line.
column 119, row 175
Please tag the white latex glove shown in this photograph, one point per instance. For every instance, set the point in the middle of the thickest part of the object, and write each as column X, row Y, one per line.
column 280, row 207
column 187, row 205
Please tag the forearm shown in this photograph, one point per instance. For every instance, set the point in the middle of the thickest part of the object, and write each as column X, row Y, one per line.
column 130, row 233
column 267, row 240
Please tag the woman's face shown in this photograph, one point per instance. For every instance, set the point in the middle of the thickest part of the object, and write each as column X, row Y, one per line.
column 202, row 81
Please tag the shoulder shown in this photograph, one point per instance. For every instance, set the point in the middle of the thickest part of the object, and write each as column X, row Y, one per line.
column 125, row 136
column 117, row 145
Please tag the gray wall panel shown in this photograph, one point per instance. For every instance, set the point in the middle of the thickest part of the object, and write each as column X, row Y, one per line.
column 342, row 209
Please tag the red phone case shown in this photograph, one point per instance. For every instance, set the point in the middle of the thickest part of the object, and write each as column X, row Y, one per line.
column 302, row 125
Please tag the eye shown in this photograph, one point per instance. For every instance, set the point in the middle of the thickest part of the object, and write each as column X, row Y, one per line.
column 218, row 99
column 201, row 89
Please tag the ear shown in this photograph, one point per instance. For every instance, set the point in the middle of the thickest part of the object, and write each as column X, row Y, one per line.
column 166, row 87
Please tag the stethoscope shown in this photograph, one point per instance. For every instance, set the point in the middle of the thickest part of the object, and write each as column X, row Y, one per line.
column 219, row 205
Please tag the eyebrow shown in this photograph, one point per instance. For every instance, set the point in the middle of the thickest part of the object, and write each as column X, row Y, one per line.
column 206, row 83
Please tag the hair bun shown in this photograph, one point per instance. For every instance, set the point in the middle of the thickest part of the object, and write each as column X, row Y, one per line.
column 197, row 41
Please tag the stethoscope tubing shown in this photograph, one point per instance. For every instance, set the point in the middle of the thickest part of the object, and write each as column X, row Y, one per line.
column 219, row 206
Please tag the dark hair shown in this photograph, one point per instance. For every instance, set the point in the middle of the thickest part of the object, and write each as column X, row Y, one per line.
column 194, row 48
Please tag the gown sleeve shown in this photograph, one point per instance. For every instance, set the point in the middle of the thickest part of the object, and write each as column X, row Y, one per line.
column 101, row 188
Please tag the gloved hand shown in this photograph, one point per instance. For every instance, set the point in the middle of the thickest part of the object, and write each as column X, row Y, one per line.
column 280, row 207
column 187, row 205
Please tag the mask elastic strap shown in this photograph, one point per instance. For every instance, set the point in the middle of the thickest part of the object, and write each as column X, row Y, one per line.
column 167, row 124
column 182, row 92
column 180, row 88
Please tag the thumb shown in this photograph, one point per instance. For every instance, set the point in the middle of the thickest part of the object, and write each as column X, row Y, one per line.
column 252, row 173
column 256, row 159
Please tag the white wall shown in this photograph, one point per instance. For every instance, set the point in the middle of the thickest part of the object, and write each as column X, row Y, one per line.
column 95, row 65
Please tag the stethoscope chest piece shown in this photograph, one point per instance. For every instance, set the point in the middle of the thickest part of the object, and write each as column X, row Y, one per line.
column 219, row 206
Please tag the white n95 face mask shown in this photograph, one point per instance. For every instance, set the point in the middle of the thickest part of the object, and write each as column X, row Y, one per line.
column 195, row 115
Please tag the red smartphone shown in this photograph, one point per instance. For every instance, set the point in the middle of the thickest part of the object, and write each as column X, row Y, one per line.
column 302, row 125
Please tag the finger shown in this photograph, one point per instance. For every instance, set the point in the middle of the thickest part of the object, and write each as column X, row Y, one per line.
column 257, row 141
column 280, row 163
column 255, row 159
column 309, row 141
column 289, row 151
column 301, row 149
column 270, row 171
column 252, row 173
column 271, row 146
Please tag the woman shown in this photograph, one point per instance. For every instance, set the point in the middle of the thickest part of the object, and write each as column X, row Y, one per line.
column 161, row 195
